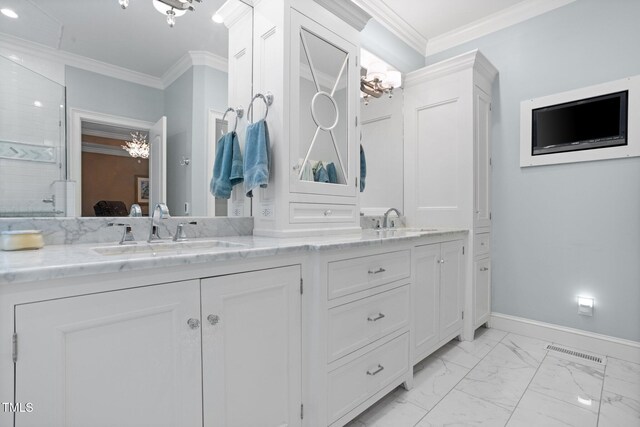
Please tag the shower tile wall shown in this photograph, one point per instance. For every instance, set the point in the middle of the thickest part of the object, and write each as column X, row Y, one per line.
column 29, row 133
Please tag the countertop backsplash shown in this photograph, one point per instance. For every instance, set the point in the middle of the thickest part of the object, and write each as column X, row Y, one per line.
column 68, row 231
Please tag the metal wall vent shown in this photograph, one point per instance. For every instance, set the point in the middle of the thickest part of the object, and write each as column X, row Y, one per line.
column 574, row 353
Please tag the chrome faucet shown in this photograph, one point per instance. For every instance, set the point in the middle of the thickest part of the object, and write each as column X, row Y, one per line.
column 162, row 212
column 180, row 235
column 135, row 211
column 385, row 223
column 127, row 236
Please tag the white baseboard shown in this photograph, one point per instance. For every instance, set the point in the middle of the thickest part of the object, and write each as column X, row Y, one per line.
column 597, row 343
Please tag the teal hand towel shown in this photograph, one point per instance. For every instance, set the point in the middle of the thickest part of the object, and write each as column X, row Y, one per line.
column 320, row 173
column 256, row 157
column 333, row 173
column 363, row 169
column 227, row 167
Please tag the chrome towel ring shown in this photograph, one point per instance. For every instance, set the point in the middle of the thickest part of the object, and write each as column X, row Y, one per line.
column 268, row 100
column 239, row 112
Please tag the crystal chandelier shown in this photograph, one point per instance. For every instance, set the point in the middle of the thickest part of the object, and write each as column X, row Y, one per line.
column 170, row 8
column 138, row 146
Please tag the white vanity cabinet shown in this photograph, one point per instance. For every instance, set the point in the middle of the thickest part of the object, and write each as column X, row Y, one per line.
column 447, row 130
column 225, row 348
column 438, row 296
column 358, row 331
column 251, row 349
column 307, row 56
column 125, row 358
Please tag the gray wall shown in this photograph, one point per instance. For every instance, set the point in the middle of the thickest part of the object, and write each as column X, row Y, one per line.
column 209, row 92
column 387, row 46
column 95, row 92
column 564, row 230
column 178, row 99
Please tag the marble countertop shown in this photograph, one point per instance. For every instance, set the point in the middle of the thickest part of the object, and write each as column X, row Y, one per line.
column 61, row 261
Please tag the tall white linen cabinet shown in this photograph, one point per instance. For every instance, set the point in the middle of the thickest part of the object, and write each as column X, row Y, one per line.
column 305, row 54
column 447, row 130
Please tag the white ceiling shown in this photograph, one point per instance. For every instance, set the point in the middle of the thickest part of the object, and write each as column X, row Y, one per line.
column 137, row 38
column 433, row 18
column 430, row 26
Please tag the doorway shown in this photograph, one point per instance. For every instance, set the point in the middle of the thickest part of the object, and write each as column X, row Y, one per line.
column 96, row 122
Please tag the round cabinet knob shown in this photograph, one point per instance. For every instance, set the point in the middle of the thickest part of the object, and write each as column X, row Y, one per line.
column 193, row 323
column 327, row 212
column 213, row 319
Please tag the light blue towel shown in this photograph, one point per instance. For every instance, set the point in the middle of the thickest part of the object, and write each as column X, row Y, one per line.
column 363, row 169
column 256, row 157
column 333, row 173
column 227, row 167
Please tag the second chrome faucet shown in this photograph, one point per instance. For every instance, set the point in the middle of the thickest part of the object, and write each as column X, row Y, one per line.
column 160, row 211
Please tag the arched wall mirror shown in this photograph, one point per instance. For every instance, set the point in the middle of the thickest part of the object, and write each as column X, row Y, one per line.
column 77, row 78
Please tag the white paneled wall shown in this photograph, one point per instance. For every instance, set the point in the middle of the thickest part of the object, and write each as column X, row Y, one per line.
column 32, row 138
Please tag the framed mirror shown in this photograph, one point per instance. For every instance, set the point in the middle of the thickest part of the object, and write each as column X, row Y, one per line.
column 323, row 93
column 78, row 78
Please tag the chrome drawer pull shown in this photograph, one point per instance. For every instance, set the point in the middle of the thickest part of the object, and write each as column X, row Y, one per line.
column 380, row 270
column 484, row 269
column 377, row 371
column 327, row 212
column 374, row 319
column 193, row 323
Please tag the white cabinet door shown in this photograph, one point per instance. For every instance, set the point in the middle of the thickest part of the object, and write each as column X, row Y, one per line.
column 451, row 288
column 482, row 291
column 482, row 156
column 251, row 349
column 426, row 297
column 122, row 358
column 324, row 90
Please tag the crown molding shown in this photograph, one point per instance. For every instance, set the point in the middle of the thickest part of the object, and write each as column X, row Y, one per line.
column 394, row 23
column 109, row 150
column 473, row 59
column 119, row 136
column 232, row 11
column 350, row 12
column 505, row 18
column 190, row 59
column 77, row 61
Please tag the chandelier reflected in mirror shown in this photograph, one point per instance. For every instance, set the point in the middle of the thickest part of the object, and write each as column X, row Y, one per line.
column 170, row 8
column 138, row 147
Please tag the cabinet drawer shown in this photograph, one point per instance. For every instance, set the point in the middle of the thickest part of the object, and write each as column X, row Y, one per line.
column 353, row 383
column 356, row 274
column 354, row 325
column 481, row 244
column 320, row 212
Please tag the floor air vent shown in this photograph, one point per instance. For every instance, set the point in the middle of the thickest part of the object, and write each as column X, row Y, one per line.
column 581, row 355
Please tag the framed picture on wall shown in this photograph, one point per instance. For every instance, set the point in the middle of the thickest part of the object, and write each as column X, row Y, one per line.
column 142, row 189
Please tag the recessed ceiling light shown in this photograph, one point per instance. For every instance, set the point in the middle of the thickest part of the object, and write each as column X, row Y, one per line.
column 217, row 18
column 9, row 13
column 37, row 103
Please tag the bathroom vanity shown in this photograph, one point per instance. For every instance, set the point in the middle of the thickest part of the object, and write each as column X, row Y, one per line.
column 224, row 331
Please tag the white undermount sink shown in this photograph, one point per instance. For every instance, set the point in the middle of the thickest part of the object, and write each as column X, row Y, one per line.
column 164, row 247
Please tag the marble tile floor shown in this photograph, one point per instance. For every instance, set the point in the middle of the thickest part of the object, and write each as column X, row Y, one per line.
column 504, row 379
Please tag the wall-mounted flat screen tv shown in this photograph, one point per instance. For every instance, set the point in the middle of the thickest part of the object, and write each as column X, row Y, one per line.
column 585, row 124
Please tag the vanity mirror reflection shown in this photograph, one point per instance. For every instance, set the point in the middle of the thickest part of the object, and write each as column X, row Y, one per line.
column 79, row 77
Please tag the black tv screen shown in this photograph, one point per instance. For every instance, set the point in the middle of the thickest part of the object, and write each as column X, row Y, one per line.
column 585, row 124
